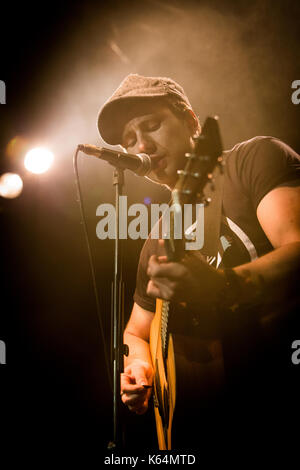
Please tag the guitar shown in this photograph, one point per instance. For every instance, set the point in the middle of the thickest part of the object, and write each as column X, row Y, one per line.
column 173, row 355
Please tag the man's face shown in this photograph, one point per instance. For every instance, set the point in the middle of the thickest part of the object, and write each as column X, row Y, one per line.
column 164, row 137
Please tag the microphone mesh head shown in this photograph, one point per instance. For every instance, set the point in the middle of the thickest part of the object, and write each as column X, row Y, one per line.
column 146, row 166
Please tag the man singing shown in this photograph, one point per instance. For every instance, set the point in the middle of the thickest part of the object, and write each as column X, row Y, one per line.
column 254, row 285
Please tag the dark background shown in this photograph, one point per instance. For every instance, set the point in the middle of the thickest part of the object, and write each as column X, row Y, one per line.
column 60, row 63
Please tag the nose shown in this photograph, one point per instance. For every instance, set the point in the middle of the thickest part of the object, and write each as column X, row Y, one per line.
column 146, row 145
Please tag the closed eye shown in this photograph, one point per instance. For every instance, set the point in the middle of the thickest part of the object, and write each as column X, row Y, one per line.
column 129, row 142
column 149, row 125
column 152, row 125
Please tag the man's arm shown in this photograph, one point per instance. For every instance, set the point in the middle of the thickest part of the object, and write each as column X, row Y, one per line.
column 273, row 276
column 138, row 369
column 276, row 274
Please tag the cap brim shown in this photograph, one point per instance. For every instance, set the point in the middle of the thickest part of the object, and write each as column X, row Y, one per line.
column 114, row 115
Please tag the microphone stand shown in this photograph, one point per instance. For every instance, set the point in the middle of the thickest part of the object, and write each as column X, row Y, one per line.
column 118, row 348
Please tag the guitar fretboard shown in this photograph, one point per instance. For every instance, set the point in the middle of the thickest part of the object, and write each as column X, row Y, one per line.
column 164, row 327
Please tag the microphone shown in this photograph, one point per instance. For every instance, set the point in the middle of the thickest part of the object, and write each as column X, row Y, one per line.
column 140, row 164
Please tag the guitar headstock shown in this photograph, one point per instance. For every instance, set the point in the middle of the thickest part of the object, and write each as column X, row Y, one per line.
column 206, row 155
column 200, row 165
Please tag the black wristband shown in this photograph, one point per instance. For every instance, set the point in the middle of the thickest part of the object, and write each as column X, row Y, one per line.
column 229, row 296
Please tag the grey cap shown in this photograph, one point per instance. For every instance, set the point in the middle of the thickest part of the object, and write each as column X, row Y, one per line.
column 134, row 88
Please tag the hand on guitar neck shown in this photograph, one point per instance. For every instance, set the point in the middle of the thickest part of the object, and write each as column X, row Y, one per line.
column 190, row 280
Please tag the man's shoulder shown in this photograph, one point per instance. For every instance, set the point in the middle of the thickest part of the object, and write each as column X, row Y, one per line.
column 258, row 165
column 259, row 151
column 259, row 143
column 251, row 144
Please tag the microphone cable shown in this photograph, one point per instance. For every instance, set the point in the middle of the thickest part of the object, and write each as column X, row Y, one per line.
column 91, row 263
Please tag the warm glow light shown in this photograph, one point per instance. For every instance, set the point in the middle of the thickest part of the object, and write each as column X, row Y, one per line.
column 38, row 160
column 11, row 185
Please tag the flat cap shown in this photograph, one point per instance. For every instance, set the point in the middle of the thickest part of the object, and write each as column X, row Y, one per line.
column 134, row 88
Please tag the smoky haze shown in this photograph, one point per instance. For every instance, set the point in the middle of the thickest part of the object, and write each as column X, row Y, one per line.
column 236, row 60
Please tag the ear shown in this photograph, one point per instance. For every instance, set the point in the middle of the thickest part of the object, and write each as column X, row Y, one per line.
column 193, row 122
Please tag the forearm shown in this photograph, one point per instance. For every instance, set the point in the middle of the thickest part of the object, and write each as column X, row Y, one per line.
column 138, row 349
column 271, row 279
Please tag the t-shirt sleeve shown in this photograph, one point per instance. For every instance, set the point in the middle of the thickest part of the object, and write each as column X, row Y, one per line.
column 140, row 294
column 264, row 163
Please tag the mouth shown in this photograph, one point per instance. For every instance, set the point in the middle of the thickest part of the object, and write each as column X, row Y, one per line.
column 158, row 162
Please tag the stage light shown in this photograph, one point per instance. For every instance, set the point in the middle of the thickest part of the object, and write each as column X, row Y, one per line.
column 38, row 160
column 11, row 185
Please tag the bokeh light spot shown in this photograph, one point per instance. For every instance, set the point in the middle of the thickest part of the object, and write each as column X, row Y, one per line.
column 38, row 160
column 11, row 185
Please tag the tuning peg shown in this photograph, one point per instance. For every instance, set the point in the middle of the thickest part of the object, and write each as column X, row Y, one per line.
column 194, row 174
column 206, row 201
column 221, row 164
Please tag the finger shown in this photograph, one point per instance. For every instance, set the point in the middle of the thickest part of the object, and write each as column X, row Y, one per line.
column 171, row 270
column 144, row 406
column 195, row 261
column 162, row 247
column 163, row 290
column 143, row 409
column 126, row 379
column 139, row 409
column 139, row 374
column 133, row 400
column 162, row 259
column 153, row 290
column 128, row 383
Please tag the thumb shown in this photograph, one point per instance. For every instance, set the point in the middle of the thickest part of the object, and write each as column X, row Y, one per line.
column 140, row 376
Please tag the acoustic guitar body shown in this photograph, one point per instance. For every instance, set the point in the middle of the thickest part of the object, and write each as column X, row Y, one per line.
column 164, row 379
column 188, row 381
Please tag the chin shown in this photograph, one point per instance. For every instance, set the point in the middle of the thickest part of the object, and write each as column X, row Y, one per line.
column 163, row 177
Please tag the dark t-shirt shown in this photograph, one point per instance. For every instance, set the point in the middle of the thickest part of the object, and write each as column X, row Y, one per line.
column 253, row 168
column 258, row 368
